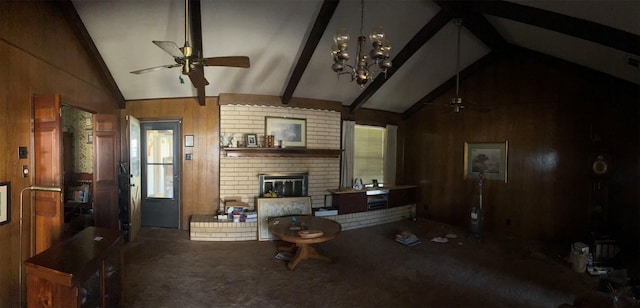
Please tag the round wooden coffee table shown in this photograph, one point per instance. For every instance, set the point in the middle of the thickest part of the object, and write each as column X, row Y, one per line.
column 285, row 229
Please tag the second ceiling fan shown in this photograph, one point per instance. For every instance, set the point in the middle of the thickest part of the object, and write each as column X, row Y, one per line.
column 189, row 57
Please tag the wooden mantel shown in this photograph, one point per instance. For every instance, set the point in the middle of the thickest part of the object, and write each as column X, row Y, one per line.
column 281, row 152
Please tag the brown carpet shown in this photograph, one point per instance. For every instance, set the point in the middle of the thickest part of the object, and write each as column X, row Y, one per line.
column 163, row 268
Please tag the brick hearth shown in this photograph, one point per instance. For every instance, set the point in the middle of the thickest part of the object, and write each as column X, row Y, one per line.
column 208, row 228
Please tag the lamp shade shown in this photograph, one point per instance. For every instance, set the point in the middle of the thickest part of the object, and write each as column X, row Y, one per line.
column 377, row 35
column 341, row 37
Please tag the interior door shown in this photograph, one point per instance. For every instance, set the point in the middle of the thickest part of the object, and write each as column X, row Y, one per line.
column 105, row 171
column 160, row 174
column 133, row 136
column 49, row 211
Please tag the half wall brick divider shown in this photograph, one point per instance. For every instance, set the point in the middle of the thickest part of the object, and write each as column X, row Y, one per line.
column 207, row 228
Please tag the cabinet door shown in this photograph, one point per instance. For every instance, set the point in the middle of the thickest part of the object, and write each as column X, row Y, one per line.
column 403, row 196
column 350, row 203
column 42, row 292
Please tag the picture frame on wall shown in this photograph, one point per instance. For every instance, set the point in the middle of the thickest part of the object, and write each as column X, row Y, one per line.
column 5, row 203
column 487, row 158
column 287, row 132
column 188, row 141
column 251, row 140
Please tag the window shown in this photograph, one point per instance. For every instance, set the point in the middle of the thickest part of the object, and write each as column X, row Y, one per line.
column 368, row 154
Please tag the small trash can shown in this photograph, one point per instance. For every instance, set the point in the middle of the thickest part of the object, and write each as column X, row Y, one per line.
column 579, row 261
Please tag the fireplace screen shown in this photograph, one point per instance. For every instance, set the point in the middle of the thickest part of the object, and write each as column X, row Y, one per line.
column 284, row 184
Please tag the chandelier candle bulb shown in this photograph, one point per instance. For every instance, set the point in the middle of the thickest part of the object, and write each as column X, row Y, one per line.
column 366, row 65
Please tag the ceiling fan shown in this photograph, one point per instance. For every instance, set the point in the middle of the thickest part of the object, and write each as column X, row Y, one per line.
column 456, row 104
column 190, row 58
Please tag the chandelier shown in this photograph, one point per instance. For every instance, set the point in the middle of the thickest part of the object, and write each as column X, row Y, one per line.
column 365, row 65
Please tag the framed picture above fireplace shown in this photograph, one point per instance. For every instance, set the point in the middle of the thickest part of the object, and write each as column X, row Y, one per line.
column 288, row 132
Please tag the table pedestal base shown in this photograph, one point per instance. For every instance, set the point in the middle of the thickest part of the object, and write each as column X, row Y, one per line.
column 302, row 252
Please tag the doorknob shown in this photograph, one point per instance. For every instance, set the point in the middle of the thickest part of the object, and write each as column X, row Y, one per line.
column 132, row 185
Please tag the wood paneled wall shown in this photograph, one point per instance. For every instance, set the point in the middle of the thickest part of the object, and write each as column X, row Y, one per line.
column 38, row 54
column 200, row 192
column 549, row 113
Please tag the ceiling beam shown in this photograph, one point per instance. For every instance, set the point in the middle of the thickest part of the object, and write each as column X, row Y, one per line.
column 477, row 24
column 324, row 16
column 195, row 18
column 74, row 20
column 425, row 34
column 483, row 62
column 580, row 28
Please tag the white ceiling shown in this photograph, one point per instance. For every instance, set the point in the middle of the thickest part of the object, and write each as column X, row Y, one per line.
column 272, row 34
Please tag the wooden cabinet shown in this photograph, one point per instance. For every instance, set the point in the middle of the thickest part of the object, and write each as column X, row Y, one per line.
column 402, row 196
column 347, row 203
column 83, row 271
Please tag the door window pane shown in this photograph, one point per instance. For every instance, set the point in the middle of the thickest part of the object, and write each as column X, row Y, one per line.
column 160, row 146
column 160, row 181
column 159, row 163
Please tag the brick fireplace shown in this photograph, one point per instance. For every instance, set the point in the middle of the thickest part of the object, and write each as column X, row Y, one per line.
column 239, row 175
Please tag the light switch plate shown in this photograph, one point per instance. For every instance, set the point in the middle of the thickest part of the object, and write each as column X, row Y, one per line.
column 23, row 153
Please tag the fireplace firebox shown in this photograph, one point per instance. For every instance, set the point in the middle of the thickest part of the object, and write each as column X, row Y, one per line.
column 284, row 184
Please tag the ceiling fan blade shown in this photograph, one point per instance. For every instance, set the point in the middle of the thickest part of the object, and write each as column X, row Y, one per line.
column 197, row 78
column 170, row 48
column 151, row 69
column 238, row 61
column 201, row 96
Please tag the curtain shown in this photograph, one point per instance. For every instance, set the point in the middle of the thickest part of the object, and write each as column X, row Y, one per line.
column 390, row 153
column 346, row 175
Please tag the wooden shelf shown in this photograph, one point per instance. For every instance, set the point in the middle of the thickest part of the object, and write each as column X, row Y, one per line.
column 278, row 152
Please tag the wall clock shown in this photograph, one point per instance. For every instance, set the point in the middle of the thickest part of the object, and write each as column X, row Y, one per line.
column 600, row 166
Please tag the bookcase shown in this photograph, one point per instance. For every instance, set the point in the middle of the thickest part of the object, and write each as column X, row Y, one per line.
column 83, row 271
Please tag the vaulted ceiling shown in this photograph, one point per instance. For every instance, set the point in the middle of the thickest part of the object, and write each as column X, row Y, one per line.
column 289, row 42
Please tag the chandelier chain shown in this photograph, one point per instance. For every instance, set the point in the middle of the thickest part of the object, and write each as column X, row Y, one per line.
column 361, row 16
column 458, row 58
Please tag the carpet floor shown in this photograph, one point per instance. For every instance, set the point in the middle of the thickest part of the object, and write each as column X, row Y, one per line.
column 163, row 268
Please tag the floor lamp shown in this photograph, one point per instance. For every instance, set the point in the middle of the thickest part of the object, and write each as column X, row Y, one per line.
column 31, row 188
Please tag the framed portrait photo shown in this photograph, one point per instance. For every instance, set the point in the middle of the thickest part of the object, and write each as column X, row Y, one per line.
column 289, row 132
column 251, row 140
column 5, row 205
column 488, row 159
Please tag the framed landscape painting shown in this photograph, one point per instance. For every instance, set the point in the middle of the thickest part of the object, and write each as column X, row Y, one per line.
column 292, row 132
column 488, row 159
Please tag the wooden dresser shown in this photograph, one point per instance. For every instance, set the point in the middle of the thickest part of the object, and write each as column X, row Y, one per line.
column 83, row 271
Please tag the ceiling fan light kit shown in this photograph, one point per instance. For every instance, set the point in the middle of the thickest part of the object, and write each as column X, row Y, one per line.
column 365, row 65
column 191, row 61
